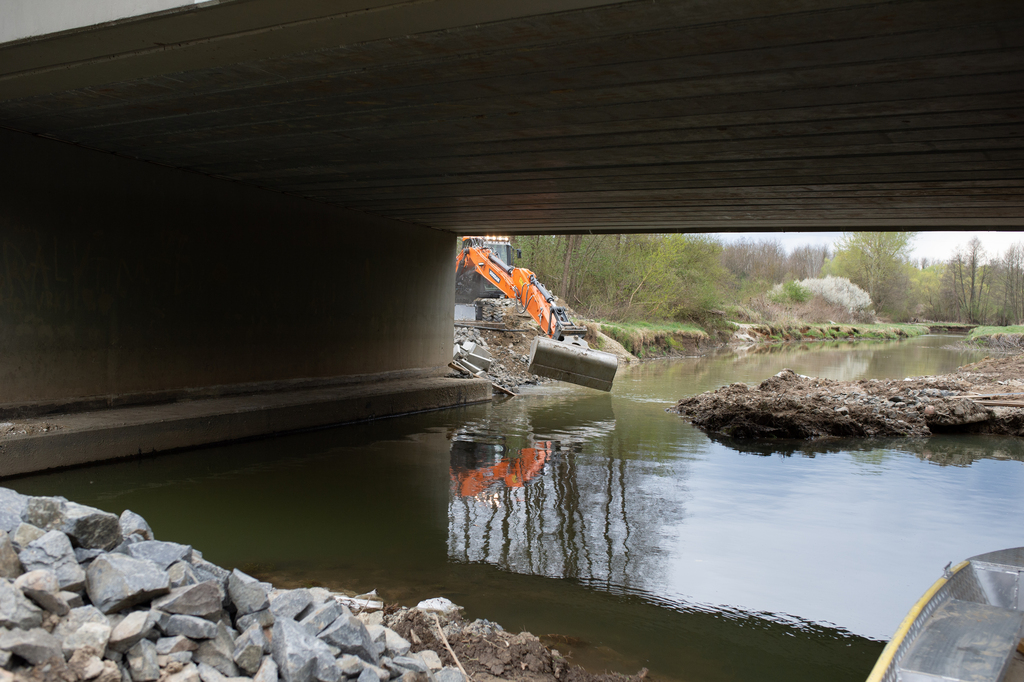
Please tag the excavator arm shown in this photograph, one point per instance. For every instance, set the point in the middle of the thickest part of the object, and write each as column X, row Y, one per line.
column 521, row 286
column 564, row 355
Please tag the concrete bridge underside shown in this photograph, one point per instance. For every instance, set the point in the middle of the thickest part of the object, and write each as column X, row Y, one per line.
column 251, row 195
column 560, row 115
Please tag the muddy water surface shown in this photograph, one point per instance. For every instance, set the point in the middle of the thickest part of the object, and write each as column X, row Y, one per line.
column 630, row 537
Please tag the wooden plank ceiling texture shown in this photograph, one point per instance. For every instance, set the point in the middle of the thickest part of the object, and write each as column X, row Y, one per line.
column 639, row 116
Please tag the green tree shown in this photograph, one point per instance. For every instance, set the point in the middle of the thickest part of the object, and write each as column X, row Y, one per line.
column 1011, row 280
column 630, row 276
column 969, row 271
column 926, row 287
column 701, row 278
column 875, row 261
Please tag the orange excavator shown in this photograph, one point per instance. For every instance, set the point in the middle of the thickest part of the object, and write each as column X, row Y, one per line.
column 562, row 354
column 512, row 472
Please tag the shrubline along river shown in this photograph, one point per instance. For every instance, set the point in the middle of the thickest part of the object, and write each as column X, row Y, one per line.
column 628, row 536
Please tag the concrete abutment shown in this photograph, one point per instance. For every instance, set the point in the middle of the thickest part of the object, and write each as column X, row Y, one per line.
column 126, row 282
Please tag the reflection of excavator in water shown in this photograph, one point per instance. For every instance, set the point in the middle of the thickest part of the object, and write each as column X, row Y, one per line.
column 472, row 476
column 564, row 355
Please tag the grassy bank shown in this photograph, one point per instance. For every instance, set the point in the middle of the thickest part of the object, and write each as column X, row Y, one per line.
column 998, row 338
column 655, row 339
column 981, row 332
column 660, row 339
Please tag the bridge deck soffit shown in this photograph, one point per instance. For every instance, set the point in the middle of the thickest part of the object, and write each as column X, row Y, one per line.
column 636, row 116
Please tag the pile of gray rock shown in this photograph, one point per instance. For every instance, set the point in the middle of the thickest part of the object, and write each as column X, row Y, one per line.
column 469, row 334
column 509, row 357
column 87, row 595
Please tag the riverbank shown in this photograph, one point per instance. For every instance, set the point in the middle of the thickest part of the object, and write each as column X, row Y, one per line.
column 507, row 335
column 789, row 405
column 804, row 332
column 1000, row 339
column 644, row 340
column 649, row 340
column 87, row 595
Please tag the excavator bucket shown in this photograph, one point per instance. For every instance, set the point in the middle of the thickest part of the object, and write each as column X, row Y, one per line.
column 572, row 362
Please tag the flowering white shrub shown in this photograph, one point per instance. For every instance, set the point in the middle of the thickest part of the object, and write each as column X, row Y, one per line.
column 839, row 291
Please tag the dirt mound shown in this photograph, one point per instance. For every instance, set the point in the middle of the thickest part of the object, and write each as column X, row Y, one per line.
column 487, row 652
column 792, row 406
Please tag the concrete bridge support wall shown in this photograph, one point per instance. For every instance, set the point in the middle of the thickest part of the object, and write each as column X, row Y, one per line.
column 121, row 278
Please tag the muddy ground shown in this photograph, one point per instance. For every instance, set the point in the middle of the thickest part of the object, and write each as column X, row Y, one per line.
column 789, row 405
column 489, row 653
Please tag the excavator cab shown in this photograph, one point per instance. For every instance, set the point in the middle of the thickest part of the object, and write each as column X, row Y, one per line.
column 470, row 285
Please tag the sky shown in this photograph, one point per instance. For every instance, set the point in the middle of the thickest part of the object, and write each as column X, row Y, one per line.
column 931, row 245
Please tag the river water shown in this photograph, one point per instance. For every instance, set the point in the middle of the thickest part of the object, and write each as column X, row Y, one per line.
column 627, row 535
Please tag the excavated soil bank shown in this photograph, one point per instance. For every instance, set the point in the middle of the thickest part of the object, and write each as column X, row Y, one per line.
column 998, row 343
column 773, row 333
column 789, row 405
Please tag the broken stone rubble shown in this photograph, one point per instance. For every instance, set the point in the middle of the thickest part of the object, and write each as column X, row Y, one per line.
column 509, row 355
column 113, row 613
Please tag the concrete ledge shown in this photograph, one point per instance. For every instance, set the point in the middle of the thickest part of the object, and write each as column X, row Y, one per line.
column 73, row 439
column 92, row 403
